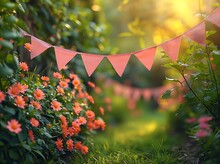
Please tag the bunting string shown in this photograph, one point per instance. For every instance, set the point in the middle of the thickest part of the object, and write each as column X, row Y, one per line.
column 119, row 61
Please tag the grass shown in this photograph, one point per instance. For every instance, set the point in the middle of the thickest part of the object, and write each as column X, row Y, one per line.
column 141, row 139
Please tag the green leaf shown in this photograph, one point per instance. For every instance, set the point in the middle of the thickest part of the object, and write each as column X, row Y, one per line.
column 27, row 147
column 13, row 154
column 216, row 52
column 5, row 70
column 12, row 61
column 209, row 33
column 6, row 44
column 207, row 98
column 10, row 19
column 10, row 35
column 48, row 135
column 39, row 153
column 166, row 95
column 21, row 8
column 8, row 5
column 10, row 110
column 173, row 80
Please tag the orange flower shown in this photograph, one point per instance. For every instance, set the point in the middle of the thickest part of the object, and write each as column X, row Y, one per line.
column 2, row 96
column 28, row 46
column 64, row 130
column 36, row 105
column 67, row 80
column 91, row 125
column 90, row 98
column 38, row 94
column 102, row 124
column 13, row 91
column 73, row 76
column 56, row 105
column 80, row 95
column 76, row 82
column 76, row 127
column 63, row 119
column 31, row 135
column 102, row 111
column 45, row 83
column 97, row 90
column 26, row 99
column 107, row 100
column 59, row 144
column 90, row 114
column 99, row 124
column 78, row 145
column 71, row 131
column 57, row 75
column 60, row 90
column 22, row 75
column 34, row 122
column 69, row 144
column 19, row 102
column 14, row 126
column 21, row 88
column 91, row 84
column 45, row 78
column 84, row 149
column 81, row 120
column 77, row 109
column 65, row 67
column 63, row 84
column 23, row 66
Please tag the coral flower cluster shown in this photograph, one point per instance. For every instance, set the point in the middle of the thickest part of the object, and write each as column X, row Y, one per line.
column 49, row 109
column 204, row 126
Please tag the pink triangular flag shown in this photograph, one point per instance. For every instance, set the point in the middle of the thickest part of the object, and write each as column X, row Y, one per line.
column 63, row 56
column 38, row 46
column 146, row 57
column 215, row 17
column 24, row 33
column 91, row 62
column 147, row 94
column 119, row 62
column 172, row 47
column 197, row 34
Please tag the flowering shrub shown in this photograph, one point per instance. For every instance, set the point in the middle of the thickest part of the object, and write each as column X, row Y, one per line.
column 198, row 75
column 42, row 118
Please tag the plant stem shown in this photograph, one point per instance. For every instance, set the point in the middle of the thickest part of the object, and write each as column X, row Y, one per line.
column 197, row 96
column 216, row 86
column 215, row 81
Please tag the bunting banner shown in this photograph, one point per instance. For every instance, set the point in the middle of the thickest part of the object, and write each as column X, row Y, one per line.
column 119, row 61
column 134, row 94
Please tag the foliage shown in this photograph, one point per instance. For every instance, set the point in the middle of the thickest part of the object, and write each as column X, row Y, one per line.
column 51, row 116
column 71, row 24
column 199, row 83
column 148, row 142
column 10, row 38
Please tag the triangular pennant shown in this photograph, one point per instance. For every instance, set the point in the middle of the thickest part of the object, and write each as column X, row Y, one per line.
column 146, row 57
column 63, row 56
column 197, row 34
column 119, row 62
column 147, row 94
column 91, row 62
column 24, row 33
column 38, row 46
column 215, row 17
column 172, row 47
